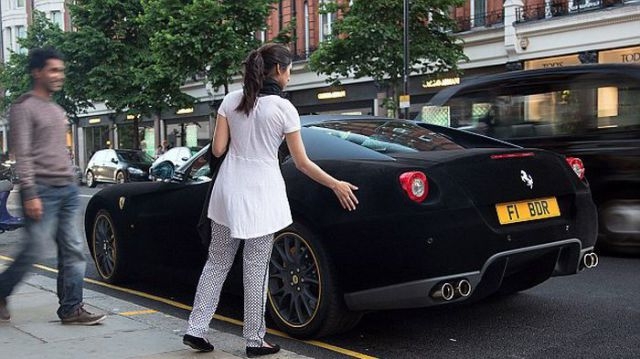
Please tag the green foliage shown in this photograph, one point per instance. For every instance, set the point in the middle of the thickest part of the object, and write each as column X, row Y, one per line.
column 367, row 41
column 205, row 37
column 287, row 34
column 112, row 45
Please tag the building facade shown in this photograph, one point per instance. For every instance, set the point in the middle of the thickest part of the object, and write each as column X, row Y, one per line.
column 498, row 36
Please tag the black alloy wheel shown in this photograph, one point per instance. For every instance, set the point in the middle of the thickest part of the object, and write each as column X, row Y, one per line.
column 304, row 299
column 107, row 250
column 120, row 178
column 91, row 181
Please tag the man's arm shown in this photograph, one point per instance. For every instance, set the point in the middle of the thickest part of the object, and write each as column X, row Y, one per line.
column 21, row 138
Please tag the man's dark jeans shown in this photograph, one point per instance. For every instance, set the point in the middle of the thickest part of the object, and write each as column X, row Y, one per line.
column 59, row 223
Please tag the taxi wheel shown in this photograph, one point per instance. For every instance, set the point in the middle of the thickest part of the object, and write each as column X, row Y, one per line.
column 120, row 178
column 107, row 249
column 91, row 181
column 304, row 300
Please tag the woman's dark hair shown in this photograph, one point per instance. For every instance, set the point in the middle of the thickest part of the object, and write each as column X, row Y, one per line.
column 259, row 65
column 38, row 57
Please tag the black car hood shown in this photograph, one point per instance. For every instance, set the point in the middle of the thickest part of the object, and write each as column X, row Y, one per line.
column 137, row 189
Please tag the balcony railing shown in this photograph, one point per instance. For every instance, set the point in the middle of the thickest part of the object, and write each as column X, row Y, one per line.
column 561, row 8
column 487, row 19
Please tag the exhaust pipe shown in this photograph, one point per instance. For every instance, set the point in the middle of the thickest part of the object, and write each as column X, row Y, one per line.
column 463, row 288
column 590, row 260
column 445, row 292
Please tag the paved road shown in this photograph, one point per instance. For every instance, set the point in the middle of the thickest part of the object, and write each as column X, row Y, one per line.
column 595, row 314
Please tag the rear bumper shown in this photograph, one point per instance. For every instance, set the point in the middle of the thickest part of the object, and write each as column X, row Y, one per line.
column 418, row 293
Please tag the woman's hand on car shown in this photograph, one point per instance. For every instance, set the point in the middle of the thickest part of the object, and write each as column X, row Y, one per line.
column 344, row 192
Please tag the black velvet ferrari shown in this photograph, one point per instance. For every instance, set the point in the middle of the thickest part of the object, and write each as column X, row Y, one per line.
column 445, row 216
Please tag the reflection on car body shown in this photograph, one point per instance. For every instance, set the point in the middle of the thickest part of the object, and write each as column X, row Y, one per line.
column 427, row 230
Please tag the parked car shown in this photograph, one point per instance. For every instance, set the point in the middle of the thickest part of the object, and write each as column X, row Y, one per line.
column 176, row 156
column 117, row 166
column 445, row 216
column 590, row 111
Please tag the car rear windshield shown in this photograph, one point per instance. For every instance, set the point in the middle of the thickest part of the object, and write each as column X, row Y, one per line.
column 134, row 156
column 388, row 136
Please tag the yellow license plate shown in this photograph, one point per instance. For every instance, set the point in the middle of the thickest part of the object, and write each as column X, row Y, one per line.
column 529, row 210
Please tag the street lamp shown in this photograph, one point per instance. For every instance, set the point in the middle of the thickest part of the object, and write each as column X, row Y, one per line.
column 406, row 56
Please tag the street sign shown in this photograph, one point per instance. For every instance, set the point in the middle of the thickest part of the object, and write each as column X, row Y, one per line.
column 404, row 101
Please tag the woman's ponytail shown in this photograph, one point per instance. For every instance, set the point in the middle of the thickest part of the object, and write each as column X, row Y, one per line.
column 253, row 78
column 260, row 64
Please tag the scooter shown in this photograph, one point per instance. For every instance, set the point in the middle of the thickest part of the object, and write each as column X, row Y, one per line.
column 7, row 221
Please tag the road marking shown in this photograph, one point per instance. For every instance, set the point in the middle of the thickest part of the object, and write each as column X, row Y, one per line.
column 138, row 312
column 172, row 303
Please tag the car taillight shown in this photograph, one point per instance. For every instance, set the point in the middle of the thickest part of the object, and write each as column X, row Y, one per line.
column 577, row 166
column 415, row 184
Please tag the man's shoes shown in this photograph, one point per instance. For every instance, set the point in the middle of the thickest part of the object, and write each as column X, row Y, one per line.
column 199, row 344
column 4, row 312
column 253, row 352
column 82, row 317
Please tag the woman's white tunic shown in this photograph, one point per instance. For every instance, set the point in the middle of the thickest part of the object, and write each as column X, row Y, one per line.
column 249, row 194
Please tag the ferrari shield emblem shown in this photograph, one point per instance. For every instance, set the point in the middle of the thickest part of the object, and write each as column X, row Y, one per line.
column 121, row 203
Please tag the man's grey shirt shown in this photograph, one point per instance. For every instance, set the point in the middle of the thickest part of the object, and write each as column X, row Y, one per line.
column 38, row 136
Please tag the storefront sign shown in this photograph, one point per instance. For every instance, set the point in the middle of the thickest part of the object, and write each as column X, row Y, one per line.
column 184, row 111
column 629, row 55
column 559, row 61
column 332, row 94
column 441, row 82
column 93, row 121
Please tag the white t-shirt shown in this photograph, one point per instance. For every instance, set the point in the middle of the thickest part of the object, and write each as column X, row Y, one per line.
column 249, row 194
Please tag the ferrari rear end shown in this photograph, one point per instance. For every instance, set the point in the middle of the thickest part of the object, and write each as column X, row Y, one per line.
column 470, row 223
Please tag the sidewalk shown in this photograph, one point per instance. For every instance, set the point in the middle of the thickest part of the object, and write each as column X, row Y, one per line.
column 129, row 331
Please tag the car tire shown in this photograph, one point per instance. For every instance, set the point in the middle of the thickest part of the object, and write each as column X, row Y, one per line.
column 120, row 177
column 91, row 180
column 304, row 298
column 107, row 249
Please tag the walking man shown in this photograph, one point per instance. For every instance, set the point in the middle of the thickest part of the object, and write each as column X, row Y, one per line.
column 49, row 193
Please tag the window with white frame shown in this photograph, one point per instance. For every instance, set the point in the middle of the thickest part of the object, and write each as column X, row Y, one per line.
column 19, row 3
column 21, row 33
column 479, row 12
column 8, row 41
column 56, row 18
column 326, row 21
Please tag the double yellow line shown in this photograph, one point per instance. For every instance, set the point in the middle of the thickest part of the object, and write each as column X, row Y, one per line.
column 175, row 304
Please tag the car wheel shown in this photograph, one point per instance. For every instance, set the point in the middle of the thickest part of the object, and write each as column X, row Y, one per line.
column 120, row 178
column 91, row 181
column 304, row 299
column 107, row 249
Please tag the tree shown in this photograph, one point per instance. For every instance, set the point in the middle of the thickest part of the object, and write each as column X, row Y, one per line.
column 367, row 41
column 207, row 38
column 112, row 44
column 15, row 79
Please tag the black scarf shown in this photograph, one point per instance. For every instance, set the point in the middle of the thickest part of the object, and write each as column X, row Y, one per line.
column 271, row 87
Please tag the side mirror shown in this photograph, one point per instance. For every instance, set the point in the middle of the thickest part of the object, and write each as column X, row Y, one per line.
column 114, row 160
column 162, row 172
column 185, row 158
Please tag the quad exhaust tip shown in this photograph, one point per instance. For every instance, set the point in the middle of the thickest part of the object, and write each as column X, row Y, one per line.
column 590, row 260
column 448, row 290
